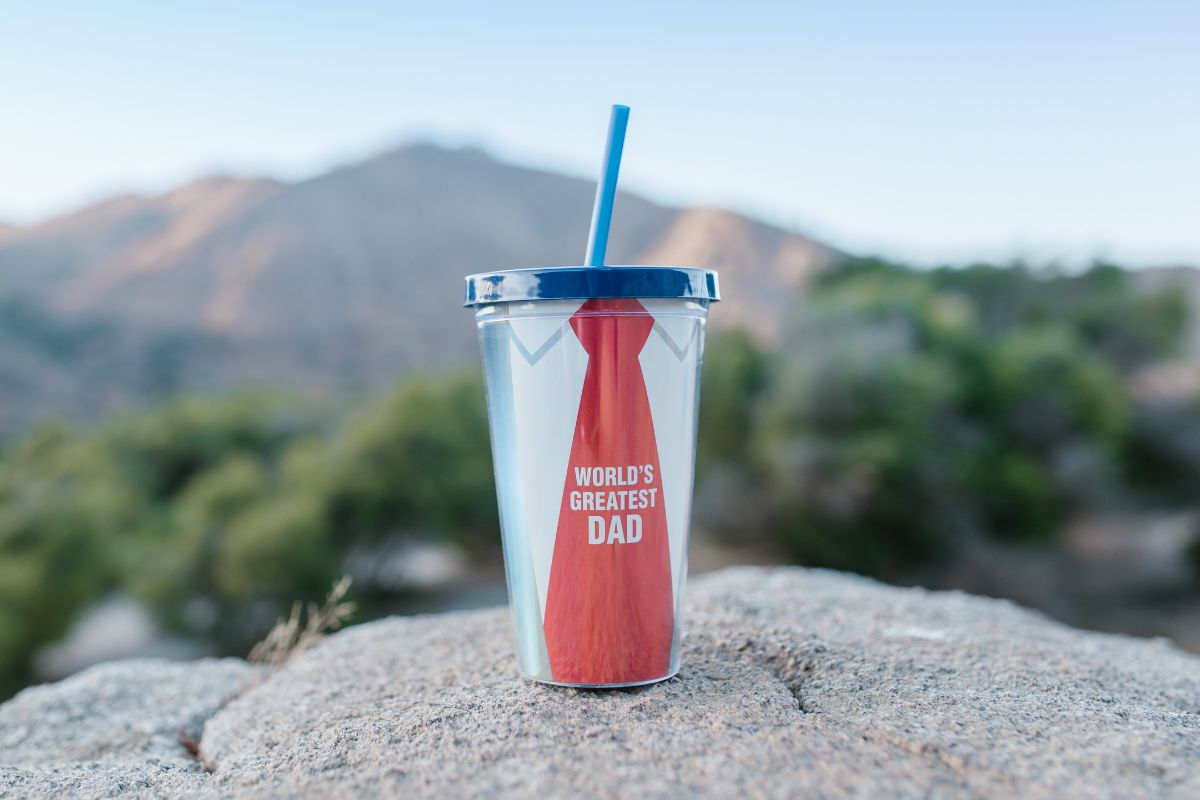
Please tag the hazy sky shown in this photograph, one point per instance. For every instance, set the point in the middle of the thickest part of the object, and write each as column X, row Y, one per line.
column 925, row 130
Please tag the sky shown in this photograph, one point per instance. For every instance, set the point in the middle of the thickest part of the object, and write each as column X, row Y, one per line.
column 927, row 131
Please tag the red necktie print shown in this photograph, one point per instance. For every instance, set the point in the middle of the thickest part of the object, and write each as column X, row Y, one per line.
column 609, row 616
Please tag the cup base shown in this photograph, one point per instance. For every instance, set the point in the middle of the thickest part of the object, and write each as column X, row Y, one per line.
column 628, row 685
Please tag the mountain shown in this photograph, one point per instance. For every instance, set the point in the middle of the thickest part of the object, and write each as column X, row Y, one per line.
column 339, row 282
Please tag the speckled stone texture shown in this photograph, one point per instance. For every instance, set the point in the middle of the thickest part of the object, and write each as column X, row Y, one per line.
column 115, row 729
column 794, row 683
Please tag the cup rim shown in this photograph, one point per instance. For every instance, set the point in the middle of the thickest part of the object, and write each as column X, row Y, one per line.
column 586, row 283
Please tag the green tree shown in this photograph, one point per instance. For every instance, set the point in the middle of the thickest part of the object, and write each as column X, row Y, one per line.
column 419, row 462
column 908, row 417
column 62, row 512
column 734, row 376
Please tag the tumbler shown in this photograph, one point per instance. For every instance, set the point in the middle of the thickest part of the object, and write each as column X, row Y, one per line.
column 593, row 387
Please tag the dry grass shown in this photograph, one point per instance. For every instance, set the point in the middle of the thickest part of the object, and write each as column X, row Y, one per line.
column 299, row 630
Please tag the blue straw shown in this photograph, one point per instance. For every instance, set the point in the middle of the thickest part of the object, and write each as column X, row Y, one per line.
column 606, row 190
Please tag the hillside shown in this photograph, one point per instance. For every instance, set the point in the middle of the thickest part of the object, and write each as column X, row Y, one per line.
column 342, row 281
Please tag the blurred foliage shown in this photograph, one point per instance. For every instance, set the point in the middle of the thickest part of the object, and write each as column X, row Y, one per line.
column 218, row 513
column 912, row 413
column 734, row 377
column 62, row 513
column 900, row 417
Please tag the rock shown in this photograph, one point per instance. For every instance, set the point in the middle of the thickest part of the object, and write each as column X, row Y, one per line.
column 794, row 683
column 116, row 728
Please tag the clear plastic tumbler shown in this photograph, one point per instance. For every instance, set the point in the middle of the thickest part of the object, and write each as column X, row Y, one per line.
column 592, row 378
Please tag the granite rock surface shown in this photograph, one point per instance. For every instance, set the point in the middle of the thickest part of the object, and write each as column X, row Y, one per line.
column 794, row 683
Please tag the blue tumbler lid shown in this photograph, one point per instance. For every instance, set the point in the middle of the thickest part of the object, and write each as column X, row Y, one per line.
column 585, row 283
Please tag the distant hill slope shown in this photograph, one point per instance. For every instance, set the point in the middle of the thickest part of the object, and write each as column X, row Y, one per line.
column 341, row 281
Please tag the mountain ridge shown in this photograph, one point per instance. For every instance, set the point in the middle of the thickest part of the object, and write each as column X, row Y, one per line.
column 338, row 281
